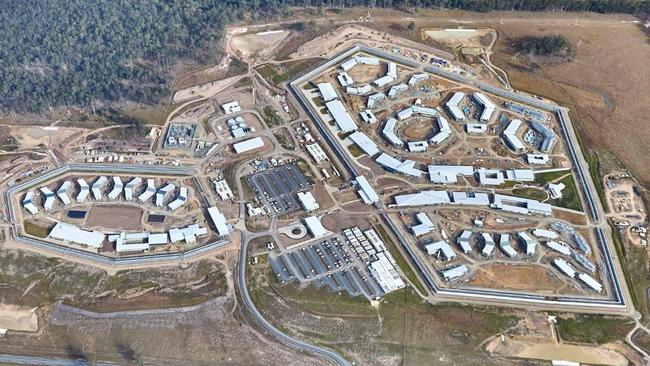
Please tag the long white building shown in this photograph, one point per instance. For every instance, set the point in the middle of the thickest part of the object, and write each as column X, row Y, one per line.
column 84, row 190
column 488, row 107
column 162, row 192
column 389, row 132
column 219, row 221
column 453, row 108
column 28, row 203
column 444, row 131
column 98, row 186
column 440, row 249
column 406, row 167
column 63, row 192
column 454, row 273
column 180, row 200
column 510, row 135
column 367, row 193
column 71, row 233
column 49, row 198
column 365, row 143
column 445, row 174
column 341, row 116
column 130, row 188
column 149, row 191
column 118, row 186
column 425, row 225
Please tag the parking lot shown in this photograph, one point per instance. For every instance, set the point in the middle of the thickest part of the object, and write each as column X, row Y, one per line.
column 277, row 187
column 329, row 263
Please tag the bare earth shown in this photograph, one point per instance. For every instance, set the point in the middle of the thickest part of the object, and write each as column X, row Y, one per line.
column 549, row 351
column 114, row 217
column 518, row 277
column 14, row 317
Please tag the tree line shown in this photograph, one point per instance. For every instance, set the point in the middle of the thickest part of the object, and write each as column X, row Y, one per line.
column 76, row 52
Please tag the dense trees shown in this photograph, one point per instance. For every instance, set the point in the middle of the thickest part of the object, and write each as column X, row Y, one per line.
column 547, row 46
column 73, row 52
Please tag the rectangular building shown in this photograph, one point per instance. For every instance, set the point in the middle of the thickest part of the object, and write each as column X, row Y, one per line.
column 248, row 145
column 365, row 143
column 341, row 116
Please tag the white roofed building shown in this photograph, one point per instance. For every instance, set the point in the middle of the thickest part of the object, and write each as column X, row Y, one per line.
column 416, row 78
column 454, row 273
column 444, row 131
column 248, row 145
column 417, row 146
column 327, row 91
column 564, row 267
column 538, row 159
column 374, row 99
column 71, row 233
column 395, row 90
column 590, row 282
column 231, row 107
column 488, row 244
column 180, row 199
column 130, row 187
column 365, row 143
column 118, row 186
column 440, row 249
column 555, row 190
column 529, row 244
column 163, row 192
column 423, row 198
column 425, row 225
column 341, row 116
column 219, row 221
column 476, row 128
column 488, row 107
column 368, row 117
column 452, row 106
column 98, row 186
column 316, row 152
column 367, row 193
column 49, row 198
column 504, row 244
column 445, row 174
column 223, row 190
column 406, row 167
column 84, row 190
column 389, row 132
column 345, row 79
column 308, row 201
column 315, row 227
column 358, row 90
column 149, row 191
column 28, row 203
column 463, row 241
column 63, row 192
column 510, row 135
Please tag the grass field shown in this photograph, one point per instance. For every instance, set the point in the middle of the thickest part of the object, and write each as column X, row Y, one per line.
column 277, row 74
column 570, row 197
column 36, row 230
column 545, row 178
column 271, row 117
column 530, row 192
column 594, row 329
column 355, row 150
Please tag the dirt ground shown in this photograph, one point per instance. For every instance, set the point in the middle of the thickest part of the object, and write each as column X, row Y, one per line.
column 249, row 44
column 455, row 37
column 550, row 351
column 19, row 318
column 205, row 90
column 523, row 277
column 338, row 221
column 114, row 217
column 418, row 130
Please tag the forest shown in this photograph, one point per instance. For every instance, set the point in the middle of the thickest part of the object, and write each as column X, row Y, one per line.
column 78, row 52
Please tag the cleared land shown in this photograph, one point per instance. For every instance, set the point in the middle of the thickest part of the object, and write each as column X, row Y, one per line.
column 250, row 44
column 516, row 277
column 115, row 217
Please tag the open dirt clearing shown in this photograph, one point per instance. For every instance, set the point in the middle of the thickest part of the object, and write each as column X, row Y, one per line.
column 114, row 217
column 418, row 130
column 19, row 318
column 521, row 277
column 249, row 44
column 551, row 351
column 205, row 90
column 459, row 37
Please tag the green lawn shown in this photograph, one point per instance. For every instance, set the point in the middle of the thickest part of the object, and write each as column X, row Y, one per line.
column 276, row 74
column 530, row 192
column 544, row 178
column 271, row 117
column 355, row 150
column 35, row 230
column 595, row 329
column 570, row 197
column 596, row 175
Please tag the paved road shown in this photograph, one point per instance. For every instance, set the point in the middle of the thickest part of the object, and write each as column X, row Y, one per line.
column 273, row 331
